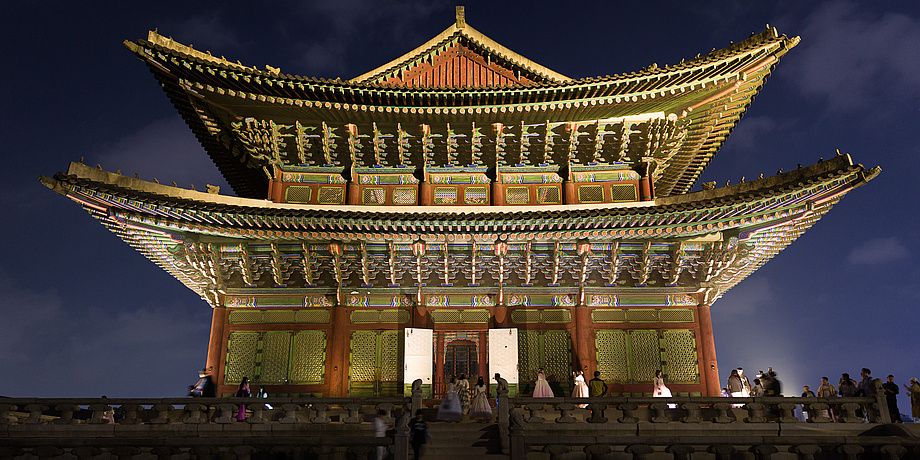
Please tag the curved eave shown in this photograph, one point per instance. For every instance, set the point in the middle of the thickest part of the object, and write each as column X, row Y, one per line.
column 729, row 204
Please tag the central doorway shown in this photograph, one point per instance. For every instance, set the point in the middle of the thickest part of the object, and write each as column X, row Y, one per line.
column 461, row 357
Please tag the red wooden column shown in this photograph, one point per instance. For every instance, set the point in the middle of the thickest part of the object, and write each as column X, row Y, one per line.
column 709, row 368
column 439, row 387
column 219, row 316
column 583, row 340
column 337, row 358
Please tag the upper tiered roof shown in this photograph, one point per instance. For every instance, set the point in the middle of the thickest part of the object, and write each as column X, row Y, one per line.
column 252, row 121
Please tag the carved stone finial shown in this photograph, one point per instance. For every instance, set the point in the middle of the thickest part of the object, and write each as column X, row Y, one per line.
column 709, row 185
column 461, row 17
column 212, row 189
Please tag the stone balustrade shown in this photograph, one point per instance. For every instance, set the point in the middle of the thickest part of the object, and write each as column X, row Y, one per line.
column 545, row 428
column 201, row 427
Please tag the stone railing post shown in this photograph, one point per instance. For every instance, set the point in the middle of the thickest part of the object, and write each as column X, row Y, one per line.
column 6, row 418
column 290, row 413
column 162, row 417
column 850, row 451
column 354, row 413
column 401, row 441
column 755, row 412
column 816, row 413
column 694, row 413
column 878, row 411
column 67, row 411
column 806, row 452
column 227, row 413
column 35, row 413
column 416, row 404
column 388, row 408
column 517, row 448
column 639, row 451
column 722, row 416
column 130, row 417
column 194, row 411
column 503, row 412
column 257, row 411
column 848, row 413
column 660, row 413
column 893, row 451
column 680, row 451
column 98, row 414
column 320, row 408
column 532, row 410
column 565, row 413
column 722, row 452
column 628, row 410
column 763, row 451
column 787, row 413
column 598, row 413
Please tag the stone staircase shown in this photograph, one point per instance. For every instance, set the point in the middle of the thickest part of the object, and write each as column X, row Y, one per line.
column 465, row 440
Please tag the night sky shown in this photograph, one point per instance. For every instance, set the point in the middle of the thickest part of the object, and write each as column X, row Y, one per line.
column 83, row 314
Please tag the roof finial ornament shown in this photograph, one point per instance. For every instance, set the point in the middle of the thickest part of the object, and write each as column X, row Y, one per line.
column 461, row 16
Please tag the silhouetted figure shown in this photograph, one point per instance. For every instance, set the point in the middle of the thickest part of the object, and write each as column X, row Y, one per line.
column 597, row 386
column 418, row 433
column 243, row 392
column 891, row 396
column 204, row 388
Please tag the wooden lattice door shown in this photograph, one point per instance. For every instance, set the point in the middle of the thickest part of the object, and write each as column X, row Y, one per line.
column 375, row 363
column 550, row 350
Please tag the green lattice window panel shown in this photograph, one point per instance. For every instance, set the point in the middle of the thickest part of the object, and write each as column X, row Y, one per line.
column 590, row 194
column 466, row 316
column 297, row 194
column 551, row 350
column 245, row 317
column 278, row 316
column 276, row 347
column 312, row 316
column 612, row 355
column 633, row 355
column 608, row 315
column 676, row 316
column 646, row 354
column 523, row 316
column 445, row 195
column 548, row 195
column 517, row 195
column 623, row 192
column 641, row 316
column 476, row 195
column 389, row 316
column 242, row 348
column 331, row 195
column 373, row 195
column 682, row 364
column 404, row 196
column 375, row 363
column 308, row 357
column 546, row 315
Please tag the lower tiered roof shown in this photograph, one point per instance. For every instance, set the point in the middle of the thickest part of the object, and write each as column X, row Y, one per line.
column 703, row 242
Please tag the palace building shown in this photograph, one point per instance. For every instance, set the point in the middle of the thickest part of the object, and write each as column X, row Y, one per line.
column 462, row 209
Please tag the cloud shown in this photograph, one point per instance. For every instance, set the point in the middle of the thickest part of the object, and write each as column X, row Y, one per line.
column 878, row 251
column 208, row 29
column 348, row 24
column 746, row 136
column 854, row 58
column 26, row 314
column 166, row 150
column 752, row 296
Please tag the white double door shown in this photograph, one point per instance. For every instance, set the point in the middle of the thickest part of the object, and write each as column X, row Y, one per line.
column 419, row 355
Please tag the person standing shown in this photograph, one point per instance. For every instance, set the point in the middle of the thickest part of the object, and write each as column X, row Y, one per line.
column 596, row 386
column 891, row 395
column 450, row 406
column 757, row 389
column 581, row 388
column 542, row 389
column 914, row 390
column 846, row 387
column 745, row 383
column 380, row 431
column 242, row 392
column 659, row 390
column 862, row 387
column 734, row 384
column 806, row 393
column 418, row 433
column 463, row 390
column 826, row 390
column 480, row 409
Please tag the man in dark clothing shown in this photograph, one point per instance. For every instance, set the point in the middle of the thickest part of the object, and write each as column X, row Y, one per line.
column 863, row 384
column 596, row 386
column 418, row 433
column 205, row 386
column 891, row 394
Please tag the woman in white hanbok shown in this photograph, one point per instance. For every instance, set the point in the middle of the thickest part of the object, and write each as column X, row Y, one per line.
column 450, row 410
column 481, row 410
column 659, row 390
column 581, row 388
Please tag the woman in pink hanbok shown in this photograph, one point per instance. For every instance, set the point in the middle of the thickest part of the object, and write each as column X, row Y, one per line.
column 542, row 389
